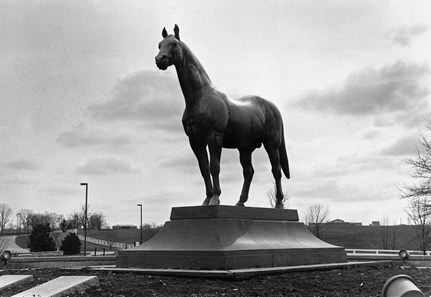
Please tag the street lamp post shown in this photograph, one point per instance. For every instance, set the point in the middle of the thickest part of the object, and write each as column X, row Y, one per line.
column 85, row 217
column 18, row 224
column 140, row 205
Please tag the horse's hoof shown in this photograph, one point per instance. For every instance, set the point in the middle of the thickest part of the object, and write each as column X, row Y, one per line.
column 279, row 205
column 214, row 201
column 239, row 204
column 206, row 202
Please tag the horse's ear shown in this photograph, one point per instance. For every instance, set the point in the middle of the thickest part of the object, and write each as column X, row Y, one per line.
column 164, row 33
column 177, row 32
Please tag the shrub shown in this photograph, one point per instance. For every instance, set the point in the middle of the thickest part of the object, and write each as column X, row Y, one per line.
column 71, row 245
column 40, row 240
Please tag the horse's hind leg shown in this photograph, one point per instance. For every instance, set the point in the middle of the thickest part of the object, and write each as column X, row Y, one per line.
column 215, row 147
column 248, row 172
column 200, row 152
column 274, row 158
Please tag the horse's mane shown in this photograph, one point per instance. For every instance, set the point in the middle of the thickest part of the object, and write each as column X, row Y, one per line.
column 191, row 58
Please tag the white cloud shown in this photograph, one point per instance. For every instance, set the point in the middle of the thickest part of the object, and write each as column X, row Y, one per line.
column 402, row 147
column 404, row 35
column 332, row 190
column 399, row 87
column 59, row 32
column 107, row 166
column 61, row 190
column 146, row 96
column 371, row 134
column 23, row 164
column 184, row 162
column 83, row 135
column 8, row 181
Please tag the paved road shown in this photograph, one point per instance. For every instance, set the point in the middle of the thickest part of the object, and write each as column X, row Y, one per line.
column 9, row 242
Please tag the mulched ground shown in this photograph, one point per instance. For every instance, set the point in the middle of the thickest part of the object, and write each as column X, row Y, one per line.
column 347, row 282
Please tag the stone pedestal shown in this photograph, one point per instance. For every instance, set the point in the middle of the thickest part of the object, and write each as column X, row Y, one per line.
column 229, row 237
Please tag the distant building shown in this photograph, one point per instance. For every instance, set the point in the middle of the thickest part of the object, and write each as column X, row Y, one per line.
column 337, row 221
column 116, row 227
column 375, row 223
column 340, row 222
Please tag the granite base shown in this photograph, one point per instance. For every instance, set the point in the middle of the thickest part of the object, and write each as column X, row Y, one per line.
column 228, row 237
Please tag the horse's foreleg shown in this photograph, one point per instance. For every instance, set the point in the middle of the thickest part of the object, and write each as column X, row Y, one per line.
column 248, row 172
column 274, row 158
column 200, row 152
column 215, row 147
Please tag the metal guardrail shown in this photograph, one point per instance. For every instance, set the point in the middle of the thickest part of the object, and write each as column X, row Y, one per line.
column 107, row 243
column 383, row 252
column 103, row 242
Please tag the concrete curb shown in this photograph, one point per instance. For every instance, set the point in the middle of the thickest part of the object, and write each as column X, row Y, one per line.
column 60, row 261
column 234, row 274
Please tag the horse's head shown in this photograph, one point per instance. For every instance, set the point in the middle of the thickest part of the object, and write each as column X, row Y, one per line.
column 169, row 49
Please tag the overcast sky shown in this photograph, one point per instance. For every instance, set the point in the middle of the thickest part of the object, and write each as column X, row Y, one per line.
column 83, row 101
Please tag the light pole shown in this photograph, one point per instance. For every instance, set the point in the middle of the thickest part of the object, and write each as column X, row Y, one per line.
column 140, row 205
column 85, row 217
column 17, row 223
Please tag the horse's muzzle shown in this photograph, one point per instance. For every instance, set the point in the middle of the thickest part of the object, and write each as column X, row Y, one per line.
column 162, row 62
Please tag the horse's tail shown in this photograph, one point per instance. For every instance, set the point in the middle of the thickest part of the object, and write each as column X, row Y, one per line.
column 283, row 157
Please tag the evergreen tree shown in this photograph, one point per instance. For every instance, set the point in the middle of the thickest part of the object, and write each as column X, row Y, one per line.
column 40, row 240
column 71, row 245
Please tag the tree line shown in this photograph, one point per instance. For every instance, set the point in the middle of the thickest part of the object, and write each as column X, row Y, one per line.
column 27, row 220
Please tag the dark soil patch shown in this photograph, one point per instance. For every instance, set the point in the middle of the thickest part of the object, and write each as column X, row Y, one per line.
column 357, row 281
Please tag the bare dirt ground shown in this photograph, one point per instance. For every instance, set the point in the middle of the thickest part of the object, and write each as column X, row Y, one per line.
column 355, row 281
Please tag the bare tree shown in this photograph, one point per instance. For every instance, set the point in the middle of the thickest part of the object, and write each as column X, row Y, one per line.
column 422, row 167
column 24, row 218
column 419, row 193
column 316, row 217
column 53, row 219
column 273, row 200
column 78, row 217
column 388, row 235
column 419, row 212
column 150, row 230
column 75, row 219
column 5, row 213
column 96, row 221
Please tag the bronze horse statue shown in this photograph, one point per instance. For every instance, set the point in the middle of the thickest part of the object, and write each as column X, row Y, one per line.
column 213, row 120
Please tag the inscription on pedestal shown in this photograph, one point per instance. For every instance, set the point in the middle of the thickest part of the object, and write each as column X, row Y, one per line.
column 233, row 212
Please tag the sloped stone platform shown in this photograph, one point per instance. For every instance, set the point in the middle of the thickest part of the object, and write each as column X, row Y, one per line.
column 7, row 281
column 229, row 237
column 61, row 286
